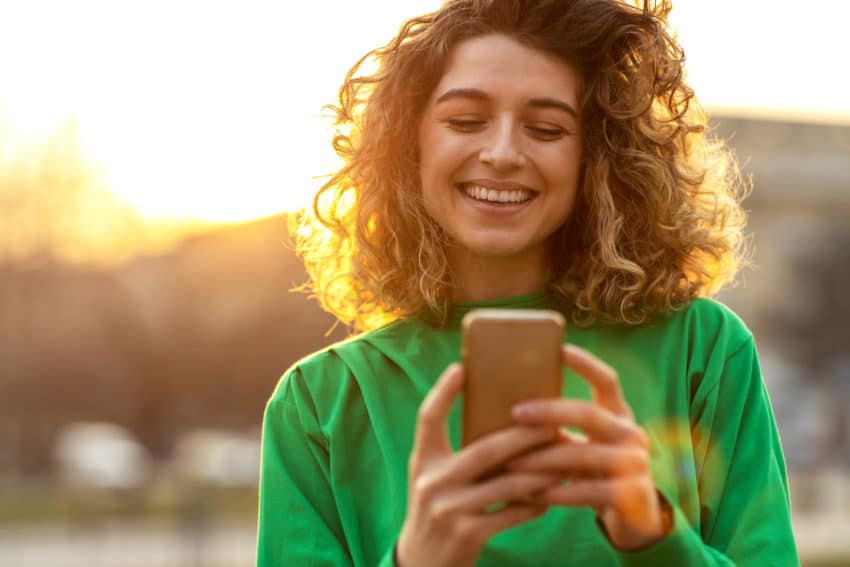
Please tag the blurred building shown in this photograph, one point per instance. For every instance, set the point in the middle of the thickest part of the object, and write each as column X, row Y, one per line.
column 794, row 296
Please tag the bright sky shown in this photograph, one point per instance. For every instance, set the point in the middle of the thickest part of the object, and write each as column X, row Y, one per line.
column 210, row 109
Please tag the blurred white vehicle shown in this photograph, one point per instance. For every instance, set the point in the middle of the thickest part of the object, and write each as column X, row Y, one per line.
column 101, row 455
column 219, row 458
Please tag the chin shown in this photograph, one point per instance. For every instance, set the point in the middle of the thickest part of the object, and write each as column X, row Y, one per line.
column 492, row 249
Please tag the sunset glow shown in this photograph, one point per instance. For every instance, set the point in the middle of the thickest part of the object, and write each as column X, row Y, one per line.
column 211, row 110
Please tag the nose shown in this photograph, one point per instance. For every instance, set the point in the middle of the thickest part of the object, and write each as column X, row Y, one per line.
column 501, row 149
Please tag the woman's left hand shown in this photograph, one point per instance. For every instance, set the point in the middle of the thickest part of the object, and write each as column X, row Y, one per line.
column 607, row 467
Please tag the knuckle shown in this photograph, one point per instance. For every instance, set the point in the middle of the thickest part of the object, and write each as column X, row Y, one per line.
column 486, row 454
column 466, row 533
column 583, row 413
column 425, row 415
column 608, row 376
column 593, row 418
column 633, row 460
column 630, row 433
column 618, row 491
column 425, row 486
column 638, row 436
column 641, row 460
column 628, row 491
column 607, row 368
column 522, row 485
column 515, row 485
column 440, row 511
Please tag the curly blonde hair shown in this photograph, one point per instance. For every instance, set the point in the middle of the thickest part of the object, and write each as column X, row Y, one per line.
column 658, row 218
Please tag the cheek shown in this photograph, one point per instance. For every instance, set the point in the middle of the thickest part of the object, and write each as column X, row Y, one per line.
column 429, row 148
column 438, row 156
column 561, row 167
column 430, row 169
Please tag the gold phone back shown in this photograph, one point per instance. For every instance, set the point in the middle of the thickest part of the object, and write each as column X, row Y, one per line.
column 509, row 355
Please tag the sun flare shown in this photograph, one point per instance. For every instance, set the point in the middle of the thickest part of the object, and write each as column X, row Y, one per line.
column 189, row 110
column 211, row 111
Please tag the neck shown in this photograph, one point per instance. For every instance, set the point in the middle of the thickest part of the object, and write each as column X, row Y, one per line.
column 477, row 278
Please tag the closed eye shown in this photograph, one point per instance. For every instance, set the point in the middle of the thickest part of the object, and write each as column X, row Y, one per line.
column 464, row 124
column 547, row 133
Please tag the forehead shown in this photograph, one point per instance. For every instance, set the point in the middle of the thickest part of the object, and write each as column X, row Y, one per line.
column 500, row 65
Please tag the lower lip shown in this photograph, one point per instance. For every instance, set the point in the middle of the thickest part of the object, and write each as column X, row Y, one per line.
column 496, row 208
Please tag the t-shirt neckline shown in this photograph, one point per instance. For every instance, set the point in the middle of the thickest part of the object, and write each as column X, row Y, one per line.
column 538, row 299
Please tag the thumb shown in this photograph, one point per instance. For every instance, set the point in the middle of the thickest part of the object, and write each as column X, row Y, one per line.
column 431, row 430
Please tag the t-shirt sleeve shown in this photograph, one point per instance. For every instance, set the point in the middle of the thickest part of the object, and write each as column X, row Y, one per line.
column 745, row 516
column 298, row 519
column 299, row 522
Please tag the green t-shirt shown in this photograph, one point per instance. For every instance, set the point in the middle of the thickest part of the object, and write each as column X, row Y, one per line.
column 338, row 431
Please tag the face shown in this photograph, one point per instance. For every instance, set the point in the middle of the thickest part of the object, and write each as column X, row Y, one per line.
column 499, row 147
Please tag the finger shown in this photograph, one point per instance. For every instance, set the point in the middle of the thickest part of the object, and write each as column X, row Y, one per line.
column 431, row 437
column 566, row 436
column 474, row 498
column 596, row 493
column 626, row 496
column 596, row 421
column 588, row 459
column 602, row 378
column 493, row 450
column 487, row 525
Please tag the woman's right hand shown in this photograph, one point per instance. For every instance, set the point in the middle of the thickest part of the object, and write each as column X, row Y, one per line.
column 446, row 522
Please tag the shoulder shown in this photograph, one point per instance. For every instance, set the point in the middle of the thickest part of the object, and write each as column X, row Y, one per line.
column 721, row 351
column 710, row 312
column 703, row 334
column 332, row 368
column 708, row 322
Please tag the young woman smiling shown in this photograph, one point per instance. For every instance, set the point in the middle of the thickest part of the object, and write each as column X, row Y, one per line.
column 526, row 153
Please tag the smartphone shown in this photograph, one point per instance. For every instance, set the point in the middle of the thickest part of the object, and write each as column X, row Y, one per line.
column 509, row 355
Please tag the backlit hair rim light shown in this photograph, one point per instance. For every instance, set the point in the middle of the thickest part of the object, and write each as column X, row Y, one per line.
column 658, row 218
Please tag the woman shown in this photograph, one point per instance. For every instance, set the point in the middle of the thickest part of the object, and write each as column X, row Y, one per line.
column 526, row 153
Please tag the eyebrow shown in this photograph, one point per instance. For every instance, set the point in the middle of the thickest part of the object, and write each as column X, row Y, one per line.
column 539, row 102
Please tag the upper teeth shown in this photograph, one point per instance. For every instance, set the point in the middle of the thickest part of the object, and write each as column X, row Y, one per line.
column 484, row 194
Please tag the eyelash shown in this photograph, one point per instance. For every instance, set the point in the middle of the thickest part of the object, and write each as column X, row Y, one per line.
column 464, row 125
column 469, row 126
column 552, row 133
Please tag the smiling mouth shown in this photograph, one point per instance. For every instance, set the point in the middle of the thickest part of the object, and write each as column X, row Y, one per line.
column 500, row 197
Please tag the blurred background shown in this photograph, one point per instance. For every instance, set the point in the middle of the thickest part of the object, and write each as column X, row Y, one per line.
column 149, row 155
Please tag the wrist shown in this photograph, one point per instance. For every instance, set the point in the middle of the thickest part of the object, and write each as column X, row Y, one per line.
column 626, row 538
